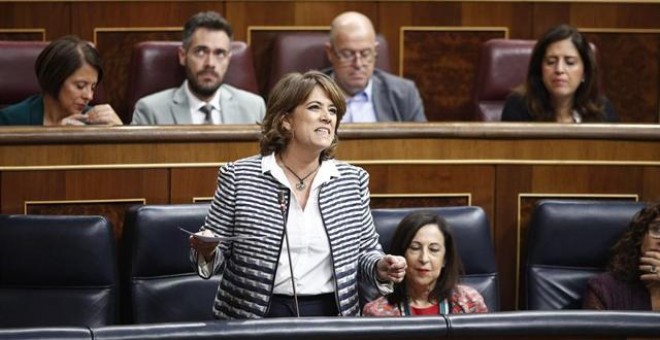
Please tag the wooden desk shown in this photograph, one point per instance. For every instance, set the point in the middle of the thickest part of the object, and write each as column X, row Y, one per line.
column 503, row 168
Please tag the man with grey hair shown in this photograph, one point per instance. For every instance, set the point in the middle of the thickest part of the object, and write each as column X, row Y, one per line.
column 372, row 95
column 202, row 98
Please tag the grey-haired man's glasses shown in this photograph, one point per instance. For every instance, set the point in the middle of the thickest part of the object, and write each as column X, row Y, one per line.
column 348, row 56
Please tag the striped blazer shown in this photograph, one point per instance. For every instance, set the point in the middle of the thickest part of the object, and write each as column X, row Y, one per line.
column 246, row 203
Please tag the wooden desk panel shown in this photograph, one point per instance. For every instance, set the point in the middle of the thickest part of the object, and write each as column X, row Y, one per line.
column 106, row 192
column 190, row 185
column 502, row 168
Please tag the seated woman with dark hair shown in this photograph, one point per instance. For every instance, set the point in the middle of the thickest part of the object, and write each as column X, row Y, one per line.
column 562, row 83
column 430, row 286
column 68, row 70
column 632, row 281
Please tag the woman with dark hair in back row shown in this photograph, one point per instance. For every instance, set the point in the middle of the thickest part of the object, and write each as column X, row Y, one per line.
column 562, row 83
column 430, row 286
column 68, row 71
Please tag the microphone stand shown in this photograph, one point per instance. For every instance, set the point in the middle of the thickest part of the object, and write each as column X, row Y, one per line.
column 284, row 208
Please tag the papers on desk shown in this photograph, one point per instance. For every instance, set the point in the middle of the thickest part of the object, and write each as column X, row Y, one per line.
column 219, row 238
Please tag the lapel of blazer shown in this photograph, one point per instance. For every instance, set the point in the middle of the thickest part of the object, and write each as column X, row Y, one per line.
column 180, row 109
column 381, row 99
column 228, row 105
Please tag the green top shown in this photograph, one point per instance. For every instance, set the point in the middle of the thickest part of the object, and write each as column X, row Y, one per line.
column 28, row 112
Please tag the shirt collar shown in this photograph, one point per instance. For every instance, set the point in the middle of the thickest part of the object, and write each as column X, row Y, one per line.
column 366, row 93
column 326, row 172
column 369, row 89
column 196, row 104
column 577, row 118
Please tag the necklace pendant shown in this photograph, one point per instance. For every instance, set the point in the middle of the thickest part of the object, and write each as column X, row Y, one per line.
column 300, row 186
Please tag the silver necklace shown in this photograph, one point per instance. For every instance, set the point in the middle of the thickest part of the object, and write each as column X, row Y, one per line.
column 300, row 186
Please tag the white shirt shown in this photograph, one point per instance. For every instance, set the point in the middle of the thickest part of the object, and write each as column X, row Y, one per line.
column 310, row 247
column 194, row 104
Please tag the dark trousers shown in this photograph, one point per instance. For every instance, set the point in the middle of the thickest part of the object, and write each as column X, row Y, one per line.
column 316, row 305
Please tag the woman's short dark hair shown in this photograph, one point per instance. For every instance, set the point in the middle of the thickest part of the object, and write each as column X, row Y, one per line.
column 210, row 20
column 61, row 58
column 289, row 92
column 403, row 236
column 587, row 98
column 626, row 253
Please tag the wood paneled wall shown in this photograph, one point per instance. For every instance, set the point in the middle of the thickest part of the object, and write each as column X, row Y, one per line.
column 503, row 168
column 442, row 61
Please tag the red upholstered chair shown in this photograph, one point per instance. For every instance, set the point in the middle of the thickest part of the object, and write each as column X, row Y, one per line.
column 502, row 67
column 303, row 51
column 155, row 67
column 17, row 77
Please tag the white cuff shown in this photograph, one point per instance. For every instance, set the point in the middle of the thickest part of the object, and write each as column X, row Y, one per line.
column 205, row 268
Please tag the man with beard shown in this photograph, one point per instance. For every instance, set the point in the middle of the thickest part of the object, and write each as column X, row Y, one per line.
column 372, row 95
column 202, row 98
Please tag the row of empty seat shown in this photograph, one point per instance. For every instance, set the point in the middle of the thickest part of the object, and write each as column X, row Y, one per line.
column 155, row 66
column 64, row 270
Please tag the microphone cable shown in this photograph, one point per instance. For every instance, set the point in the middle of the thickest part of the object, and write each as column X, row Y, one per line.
column 284, row 207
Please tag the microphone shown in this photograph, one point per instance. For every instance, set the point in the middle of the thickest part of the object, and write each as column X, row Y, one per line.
column 282, row 198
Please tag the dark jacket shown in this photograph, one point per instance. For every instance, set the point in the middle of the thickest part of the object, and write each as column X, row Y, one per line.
column 606, row 292
column 28, row 112
column 515, row 110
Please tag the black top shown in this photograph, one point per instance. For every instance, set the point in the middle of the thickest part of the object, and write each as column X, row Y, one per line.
column 515, row 110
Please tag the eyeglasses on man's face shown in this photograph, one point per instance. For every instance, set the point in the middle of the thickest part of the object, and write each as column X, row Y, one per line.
column 202, row 52
column 348, row 56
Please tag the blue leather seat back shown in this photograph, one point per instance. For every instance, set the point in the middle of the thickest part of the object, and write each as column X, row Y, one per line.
column 46, row 333
column 567, row 324
column 160, row 283
column 318, row 328
column 57, row 271
column 471, row 229
column 569, row 242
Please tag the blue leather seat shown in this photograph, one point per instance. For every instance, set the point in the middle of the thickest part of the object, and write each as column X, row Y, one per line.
column 160, row 284
column 471, row 229
column 569, row 242
column 57, row 271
